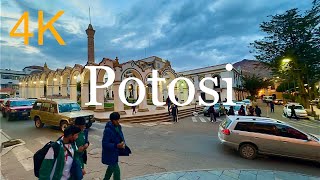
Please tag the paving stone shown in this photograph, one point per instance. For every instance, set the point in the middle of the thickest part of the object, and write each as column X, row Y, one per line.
column 218, row 173
column 261, row 177
column 247, row 176
column 290, row 176
column 266, row 174
column 224, row 177
column 250, row 171
column 172, row 176
column 231, row 174
column 314, row 178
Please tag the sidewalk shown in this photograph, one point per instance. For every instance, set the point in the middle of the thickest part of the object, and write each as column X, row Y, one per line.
column 152, row 110
column 227, row 175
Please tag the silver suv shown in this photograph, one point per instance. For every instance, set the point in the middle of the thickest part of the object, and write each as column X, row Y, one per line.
column 252, row 135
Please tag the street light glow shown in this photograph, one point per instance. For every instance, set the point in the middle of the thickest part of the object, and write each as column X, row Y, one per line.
column 286, row 60
column 41, row 82
column 54, row 79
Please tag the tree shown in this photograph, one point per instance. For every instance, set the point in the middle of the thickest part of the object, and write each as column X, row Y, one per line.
column 296, row 38
column 253, row 84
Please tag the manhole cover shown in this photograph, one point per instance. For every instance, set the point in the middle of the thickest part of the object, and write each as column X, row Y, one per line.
column 11, row 143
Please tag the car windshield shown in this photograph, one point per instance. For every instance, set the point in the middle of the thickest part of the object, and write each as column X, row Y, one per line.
column 297, row 107
column 20, row 103
column 236, row 108
column 3, row 96
column 68, row 107
column 217, row 105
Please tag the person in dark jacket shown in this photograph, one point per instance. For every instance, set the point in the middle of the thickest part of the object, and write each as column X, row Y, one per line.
column 293, row 112
column 112, row 141
column 231, row 111
column 174, row 112
column 212, row 114
column 168, row 101
column 258, row 111
column 272, row 106
column 241, row 111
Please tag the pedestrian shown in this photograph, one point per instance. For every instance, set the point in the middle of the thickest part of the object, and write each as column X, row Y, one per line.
column 212, row 114
column 82, row 142
column 272, row 106
column 176, row 98
column 168, row 101
column 293, row 112
column 242, row 111
column 113, row 144
column 134, row 110
column 62, row 164
column 231, row 111
column 174, row 112
column 251, row 111
column 258, row 111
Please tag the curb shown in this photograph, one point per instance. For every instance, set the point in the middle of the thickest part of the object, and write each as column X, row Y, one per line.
column 204, row 170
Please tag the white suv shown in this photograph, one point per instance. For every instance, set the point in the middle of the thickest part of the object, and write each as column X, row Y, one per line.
column 253, row 135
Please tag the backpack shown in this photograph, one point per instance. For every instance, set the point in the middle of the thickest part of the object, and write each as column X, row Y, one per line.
column 39, row 156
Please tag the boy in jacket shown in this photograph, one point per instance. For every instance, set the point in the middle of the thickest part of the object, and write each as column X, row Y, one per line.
column 112, row 141
column 60, row 168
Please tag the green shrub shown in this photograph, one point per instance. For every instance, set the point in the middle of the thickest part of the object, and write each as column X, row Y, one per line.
column 107, row 105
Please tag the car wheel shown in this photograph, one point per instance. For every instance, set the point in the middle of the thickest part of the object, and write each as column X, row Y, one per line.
column 63, row 125
column 248, row 151
column 88, row 125
column 38, row 123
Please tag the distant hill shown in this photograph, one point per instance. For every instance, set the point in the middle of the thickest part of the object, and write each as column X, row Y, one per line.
column 250, row 67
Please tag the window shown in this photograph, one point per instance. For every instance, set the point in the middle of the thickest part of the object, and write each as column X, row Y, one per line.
column 45, row 107
column 53, row 108
column 226, row 123
column 37, row 106
column 244, row 126
column 264, row 128
column 290, row 132
column 20, row 103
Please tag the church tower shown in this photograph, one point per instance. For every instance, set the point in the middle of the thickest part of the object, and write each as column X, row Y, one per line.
column 90, row 32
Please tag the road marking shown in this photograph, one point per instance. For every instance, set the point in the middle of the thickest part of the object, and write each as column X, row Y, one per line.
column 194, row 119
column 202, row 120
column 166, row 123
column 24, row 156
column 149, row 124
column 42, row 140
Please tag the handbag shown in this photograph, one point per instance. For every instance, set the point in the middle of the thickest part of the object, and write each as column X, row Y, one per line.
column 126, row 151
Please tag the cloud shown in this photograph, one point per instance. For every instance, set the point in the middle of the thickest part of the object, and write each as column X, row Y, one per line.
column 197, row 33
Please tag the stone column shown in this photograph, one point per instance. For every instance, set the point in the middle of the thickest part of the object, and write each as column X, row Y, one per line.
column 56, row 89
column 84, row 95
column 31, row 91
column 143, row 106
column 26, row 91
column 73, row 92
column 197, row 89
column 100, row 98
column 160, row 95
column 49, row 90
column 36, row 91
column 118, row 105
column 64, row 90
column 135, row 91
column 41, row 90
column 127, row 91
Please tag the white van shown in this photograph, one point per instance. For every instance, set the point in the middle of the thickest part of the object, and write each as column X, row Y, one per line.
column 267, row 98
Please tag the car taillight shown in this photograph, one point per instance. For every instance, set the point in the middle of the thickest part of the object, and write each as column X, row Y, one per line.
column 226, row 131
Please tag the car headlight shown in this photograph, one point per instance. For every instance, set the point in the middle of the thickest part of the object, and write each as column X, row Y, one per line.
column 13, row 111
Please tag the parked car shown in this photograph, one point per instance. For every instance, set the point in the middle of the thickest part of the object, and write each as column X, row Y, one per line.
column 33, row 100
column 299, row 109
column 247, row 102
column 278, row 101
column 17, row 109
column 251, row 136
column 219, row 110
column 58, row 112
column 267, row 99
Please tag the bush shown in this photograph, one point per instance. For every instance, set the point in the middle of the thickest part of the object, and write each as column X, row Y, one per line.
column 108, row 105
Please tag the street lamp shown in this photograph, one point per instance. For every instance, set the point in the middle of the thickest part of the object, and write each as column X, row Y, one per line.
column 286, row 60
column 54, row 79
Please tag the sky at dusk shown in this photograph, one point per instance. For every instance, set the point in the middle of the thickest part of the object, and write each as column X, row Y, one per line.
column 189, row 33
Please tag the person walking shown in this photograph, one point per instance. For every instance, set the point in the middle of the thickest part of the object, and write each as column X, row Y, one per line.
column 241, row 111
column 168, row 101
column 61, row 165
column 272, row 106
column 82, row 142
column 134, row 110
column 174, row 112
column 293, row 112
column 231, row 111
column 112, row 144
column 258, row 111
column 212, row 114
column 251, row 111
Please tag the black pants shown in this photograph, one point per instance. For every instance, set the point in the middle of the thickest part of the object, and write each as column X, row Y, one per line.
column 293, row 114
column 175, row 119
column 169, row 109
column 213, row 117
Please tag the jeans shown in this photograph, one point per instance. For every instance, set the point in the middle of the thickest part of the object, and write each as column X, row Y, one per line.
column 112, row 169
column 175, row 119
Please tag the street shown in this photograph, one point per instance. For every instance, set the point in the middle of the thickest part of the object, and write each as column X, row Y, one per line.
column 192, row 143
